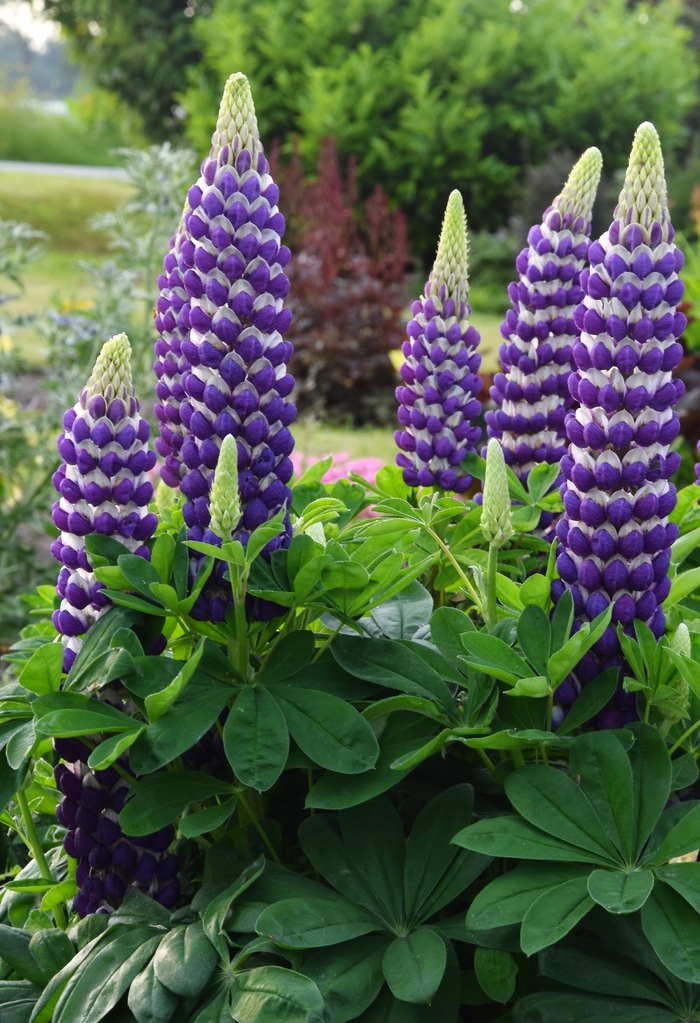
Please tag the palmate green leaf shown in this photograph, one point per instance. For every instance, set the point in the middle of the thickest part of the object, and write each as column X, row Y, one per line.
column 683, row 878
column 185, row 960
column 492, row 656
column 402, row 615
column 506, row 899
column 157, row 800
column 256, row 738
column 388, row 663
column 349, row 976
column 56, row 987
column 96, row 642
column 496, row 971
column 57, row 894
column 554, row 803
column 271, row 994
column 534, row 637
column 517, row 738
column 600, row 766
column 536, row 589
column 15, row 951
column 112, row 748
column 149, row 1000
column 52, row 949
column 203, row 821
column 42, row 672
column 414, row 965
column 158, row 703
column 100, row 982
column 618, row 892
column 532, row 688
column 65, row 714
column 330, row 731
column 215, row 914
column 562, row 1007
column 592, row 699
column 606, row 967
column 515, row 838
column 673, row 929
column 682, row 585
column 323, row 846
column 447, row 626
column 682, row 838
column 374, row 839
column 651, row 779
column 554, row 914
column 562, row 619
column 292, row 653
column 565, row 659
column 314, row 923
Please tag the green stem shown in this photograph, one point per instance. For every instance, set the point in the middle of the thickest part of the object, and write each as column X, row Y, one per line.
column 517, row 757
column 259, row 828
column 685, row 735
column 34, row 843
column 491, row 572
column 457, row 567
column 483, row 756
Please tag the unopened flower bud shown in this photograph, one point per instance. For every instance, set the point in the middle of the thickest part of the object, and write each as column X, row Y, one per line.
column 681, row 640
column 496, row 515
column 225, row 501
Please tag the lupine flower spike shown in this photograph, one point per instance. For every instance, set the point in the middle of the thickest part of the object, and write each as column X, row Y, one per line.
column 172, row 323
column 225, row 500
column 532, row 392
column 103, row 486
column 238, row 384
column 615, row 532
column 437, row 401
column 496, row 521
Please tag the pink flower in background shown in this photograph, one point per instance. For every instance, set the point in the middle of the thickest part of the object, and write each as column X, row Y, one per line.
column 341, row 468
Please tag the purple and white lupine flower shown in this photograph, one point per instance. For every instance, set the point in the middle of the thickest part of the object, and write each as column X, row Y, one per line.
column 103, row 485
column 109, row 862
column 617, row 493
column 532, row 392
column 238, row 383
column 172, row 324
column 437, row 400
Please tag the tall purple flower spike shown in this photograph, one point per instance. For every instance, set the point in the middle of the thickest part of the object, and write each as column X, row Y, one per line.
column 437, row 400
column 238, row 383
column 103, row 486
column 532, row 392
column 172, row 321
column 615, row 532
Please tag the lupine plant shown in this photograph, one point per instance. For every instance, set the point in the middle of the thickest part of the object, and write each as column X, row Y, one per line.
column 419, row 766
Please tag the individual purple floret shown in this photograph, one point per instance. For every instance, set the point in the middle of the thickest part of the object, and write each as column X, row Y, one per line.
column 532, row 392
column 615, row 532
column 238, row 383
column 109, row 862
column 172, row 323
column 437, row 400
column 103, row 485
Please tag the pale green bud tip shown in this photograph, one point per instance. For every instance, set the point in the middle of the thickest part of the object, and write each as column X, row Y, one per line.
column 643, row 198
column 451, row 263
column 681, row 640
column 496, row 515
column 578, row 194
column 236, row 116
column 225, row 503
column 111, row 376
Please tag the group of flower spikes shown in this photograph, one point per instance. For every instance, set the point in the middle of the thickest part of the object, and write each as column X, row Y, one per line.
column 593, row 324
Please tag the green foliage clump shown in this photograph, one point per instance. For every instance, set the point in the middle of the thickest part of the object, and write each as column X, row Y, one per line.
column 445, row 94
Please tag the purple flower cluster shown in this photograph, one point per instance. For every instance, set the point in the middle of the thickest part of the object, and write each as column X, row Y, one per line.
column 103, row 486
column 109, row 862
column 532, row 392
column 615, row 535
column 172, row 324
column 230, row 322
column 437, row 400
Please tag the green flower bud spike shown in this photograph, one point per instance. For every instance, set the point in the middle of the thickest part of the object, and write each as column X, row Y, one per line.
column 236, row 117
column 451, row 262
column 643, row 199
column 681, row 640
column 111, row 376
column 496, row 521
column 225, row 503
column 578, row 194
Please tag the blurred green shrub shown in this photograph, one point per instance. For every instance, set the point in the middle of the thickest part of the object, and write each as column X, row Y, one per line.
column 432, row 95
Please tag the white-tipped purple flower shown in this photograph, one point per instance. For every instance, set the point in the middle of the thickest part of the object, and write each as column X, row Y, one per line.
column 532, row 392
column 615, row 532
column 233, row 274
column 437, row 401
column 172, row 324
column 103, row 485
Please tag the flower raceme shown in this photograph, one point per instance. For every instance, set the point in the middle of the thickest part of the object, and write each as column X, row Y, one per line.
column 532, row 392
column 437, row 401
column 615, row 532
column 103, row 486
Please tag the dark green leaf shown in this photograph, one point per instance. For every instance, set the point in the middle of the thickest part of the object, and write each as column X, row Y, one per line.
column 515, row 838
column 97, row 642
column 651, row 773
column 556, row 1007
column 618, row 892
column 496, row 972
column 592, row 966
column 203, row 821
column 15, row 951
column 271, row 994
column 673, row 928
column 149, row 1000
column 594, row 696
column 447, row 626
column 185, row 960
column 600, row 766
column 52, row 949
column 390, row 664
column 349, row 976
column 685, row 772
column 683, row 838
column 683, row 878
column 554, row 803
column 215, row 913
column 139, row 572
column 65, row 714
column 328, row 730
column 507, row 899
column 256, row 738
column 374, row 839
column 490, row 654
column 106, row 752
column 401, row 616
column 288, row 657
column 553, row 915
column 313, row 923
column 414, row 965
column 534, row 637
column 42, row 672
column 159, row 799
column 561, row 620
